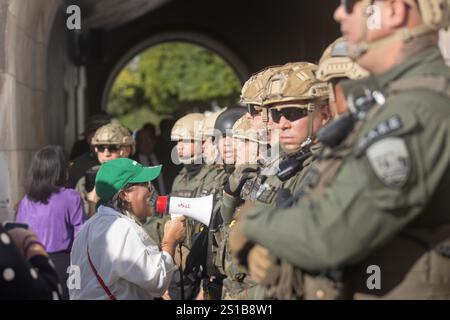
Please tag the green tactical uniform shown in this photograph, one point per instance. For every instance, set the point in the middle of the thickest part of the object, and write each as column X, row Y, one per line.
column 188, row 184
column 81, row 188
column 213, row 184
column 262, row 190
column 293, row 85
column 380, row 198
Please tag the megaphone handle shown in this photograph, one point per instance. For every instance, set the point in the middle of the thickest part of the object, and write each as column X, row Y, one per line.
column 180, row 269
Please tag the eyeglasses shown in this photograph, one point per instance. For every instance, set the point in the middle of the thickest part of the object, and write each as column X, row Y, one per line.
column 147, row 185
column 253, row 111
column 348, row 5
column 290, row 113
column 109, row 147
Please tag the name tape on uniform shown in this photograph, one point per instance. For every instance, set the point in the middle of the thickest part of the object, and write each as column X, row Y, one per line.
column 386, row 127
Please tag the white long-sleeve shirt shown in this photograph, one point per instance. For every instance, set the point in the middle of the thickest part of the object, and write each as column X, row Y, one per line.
column 126, row 258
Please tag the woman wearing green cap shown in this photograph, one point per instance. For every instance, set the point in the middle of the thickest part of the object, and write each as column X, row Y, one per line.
column 113, row 257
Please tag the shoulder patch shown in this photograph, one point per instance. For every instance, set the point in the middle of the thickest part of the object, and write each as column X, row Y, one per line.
column 388, row 126
column 390, row 161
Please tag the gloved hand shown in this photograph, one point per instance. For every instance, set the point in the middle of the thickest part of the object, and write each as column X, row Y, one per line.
column 263, row 266
column 238, row 178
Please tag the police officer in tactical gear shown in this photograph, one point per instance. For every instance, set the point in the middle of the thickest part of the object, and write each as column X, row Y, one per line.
column 187, row 133
column 283, row 280
column 111, row 141
column 297, row 103
column 378, row 198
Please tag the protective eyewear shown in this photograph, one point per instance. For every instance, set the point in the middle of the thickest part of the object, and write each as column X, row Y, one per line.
column 147, row 185
column 109, row 147
column 253, row 111
column 290, row 113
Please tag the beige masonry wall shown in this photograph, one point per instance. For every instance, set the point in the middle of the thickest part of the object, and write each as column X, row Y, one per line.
column 24, row 33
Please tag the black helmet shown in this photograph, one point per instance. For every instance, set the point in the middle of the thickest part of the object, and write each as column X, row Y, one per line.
column 226, row 120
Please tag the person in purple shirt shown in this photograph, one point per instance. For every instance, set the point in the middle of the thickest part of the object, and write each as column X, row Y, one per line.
column 54, row 213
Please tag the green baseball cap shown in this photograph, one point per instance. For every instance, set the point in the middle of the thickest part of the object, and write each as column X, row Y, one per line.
column 116, row 174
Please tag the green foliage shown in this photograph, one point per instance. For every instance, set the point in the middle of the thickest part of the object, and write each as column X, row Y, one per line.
column 170, row 77
column 136, row 119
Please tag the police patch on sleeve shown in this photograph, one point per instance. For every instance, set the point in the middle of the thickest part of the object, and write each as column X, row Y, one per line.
column 390, row 161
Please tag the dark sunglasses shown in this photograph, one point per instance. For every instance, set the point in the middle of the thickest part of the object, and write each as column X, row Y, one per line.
column 348, row 5
column 290, row 113
column 253, row 111
column 110, row 147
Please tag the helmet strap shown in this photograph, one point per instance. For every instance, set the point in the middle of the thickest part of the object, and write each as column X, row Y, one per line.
column 332, row 99
column 403, row 35
column 311, row 113
column 265, row 115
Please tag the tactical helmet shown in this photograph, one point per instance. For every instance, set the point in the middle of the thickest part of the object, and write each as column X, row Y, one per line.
column 295, row 82
column 226, row 120
column 435, row 15
column 253, row 90
column 113, row 134
column 208, row 124
column 188, row 127
column 335, row 63
column 242, row 129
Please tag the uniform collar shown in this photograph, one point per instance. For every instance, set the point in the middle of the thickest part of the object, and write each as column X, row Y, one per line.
column 192, row 170
column 107, row 211
column 316, row 150
column 419, row 63
column 412, row 66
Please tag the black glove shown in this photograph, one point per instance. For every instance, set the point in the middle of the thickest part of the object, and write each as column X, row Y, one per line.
column 284, row 199
column 238, row 178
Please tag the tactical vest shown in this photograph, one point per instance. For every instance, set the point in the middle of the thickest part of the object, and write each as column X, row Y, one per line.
column 213, row 287
column 264, row 191
column 186, row 185
column 237, row 285
column 421, row 255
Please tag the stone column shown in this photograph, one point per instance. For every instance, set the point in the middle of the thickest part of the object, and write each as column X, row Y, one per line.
column 24, row 30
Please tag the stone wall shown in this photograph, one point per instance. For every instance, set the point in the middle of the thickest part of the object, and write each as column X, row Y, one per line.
column 24, row 35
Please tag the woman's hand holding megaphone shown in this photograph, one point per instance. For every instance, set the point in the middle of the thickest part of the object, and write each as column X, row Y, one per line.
column 174, row 233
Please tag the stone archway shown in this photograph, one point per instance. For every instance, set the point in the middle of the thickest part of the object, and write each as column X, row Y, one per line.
column 202, row 40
